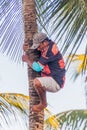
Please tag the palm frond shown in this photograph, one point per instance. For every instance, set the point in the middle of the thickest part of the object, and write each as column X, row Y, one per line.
column 51, row 119
column 64, row 18
column 11, row 25
column 14, row 112
column 11, row 105
column 69, row 120
column 18, row 100
column 81, row 63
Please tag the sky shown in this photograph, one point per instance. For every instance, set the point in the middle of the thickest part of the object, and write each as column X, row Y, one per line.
column 13, row 79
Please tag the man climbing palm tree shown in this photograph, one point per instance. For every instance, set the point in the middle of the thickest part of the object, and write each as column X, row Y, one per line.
column 51, row 65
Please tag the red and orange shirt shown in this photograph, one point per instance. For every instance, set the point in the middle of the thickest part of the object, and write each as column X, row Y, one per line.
column 52, row 63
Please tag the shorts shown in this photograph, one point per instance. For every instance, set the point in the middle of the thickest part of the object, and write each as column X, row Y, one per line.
column 49, row 83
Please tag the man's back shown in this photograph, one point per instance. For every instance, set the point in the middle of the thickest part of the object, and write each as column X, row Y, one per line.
column 53, row 63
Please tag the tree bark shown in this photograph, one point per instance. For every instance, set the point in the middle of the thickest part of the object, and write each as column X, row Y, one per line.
column 36, row 120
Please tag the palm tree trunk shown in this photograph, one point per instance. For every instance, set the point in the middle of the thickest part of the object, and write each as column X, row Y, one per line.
column 30, row 26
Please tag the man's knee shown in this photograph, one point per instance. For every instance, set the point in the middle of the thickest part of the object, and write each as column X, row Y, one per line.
column 37, row 83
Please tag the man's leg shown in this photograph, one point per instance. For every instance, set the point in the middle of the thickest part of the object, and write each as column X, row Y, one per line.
column 42, row 95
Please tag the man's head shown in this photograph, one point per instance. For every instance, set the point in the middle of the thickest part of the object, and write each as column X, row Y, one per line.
column 39, row 40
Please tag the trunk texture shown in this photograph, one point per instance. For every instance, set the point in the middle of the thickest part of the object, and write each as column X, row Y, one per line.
column 36, row 120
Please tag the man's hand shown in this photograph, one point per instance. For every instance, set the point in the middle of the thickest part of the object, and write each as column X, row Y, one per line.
column 25, row 58
column 25, row 47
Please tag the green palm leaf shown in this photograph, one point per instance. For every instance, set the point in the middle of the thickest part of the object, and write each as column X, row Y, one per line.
column 17, row 100
column 14, row 112
column 11, row 25
column 81, row 64
column 68, row 120
column 12, row 104
column 66, row 19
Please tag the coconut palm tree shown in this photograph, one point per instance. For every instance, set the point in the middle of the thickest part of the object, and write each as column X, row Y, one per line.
column 69, row 20
column 68, row 120
column 64, row 20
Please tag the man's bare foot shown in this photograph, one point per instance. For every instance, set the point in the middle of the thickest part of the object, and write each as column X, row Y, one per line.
column 39, row 107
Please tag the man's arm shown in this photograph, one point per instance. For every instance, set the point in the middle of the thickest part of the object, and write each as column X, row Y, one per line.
column 34, row 65
column 25, row 58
